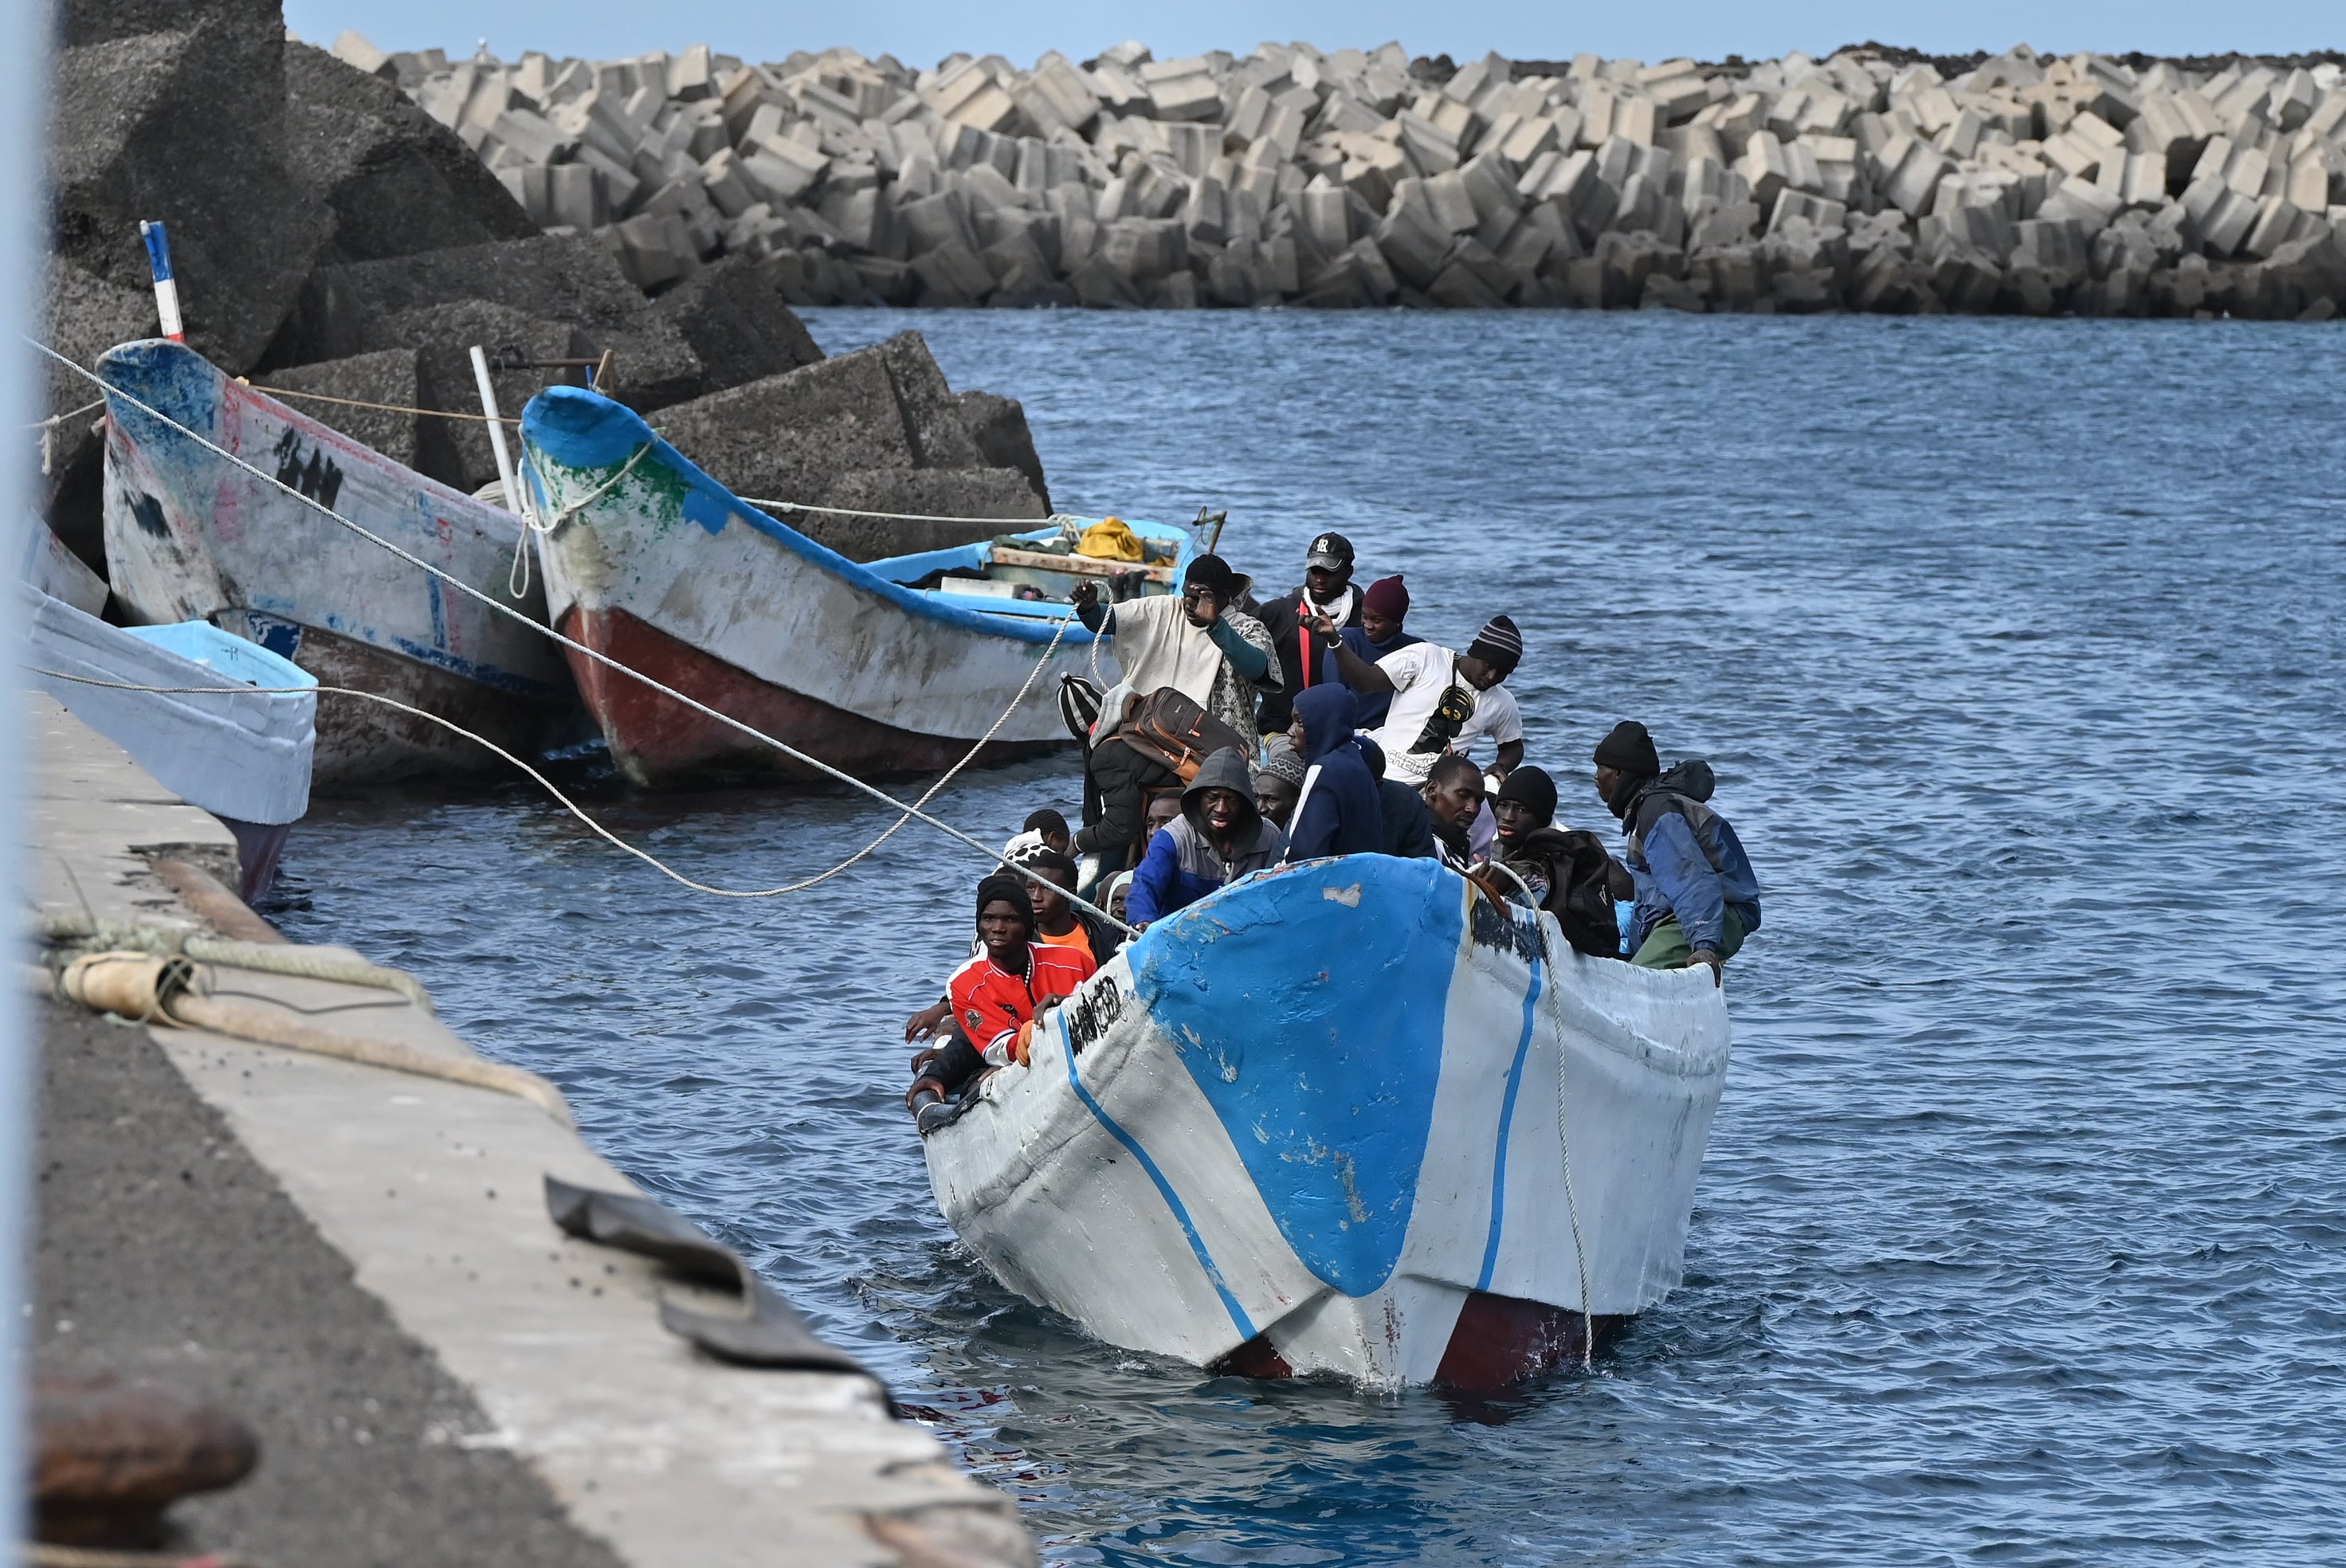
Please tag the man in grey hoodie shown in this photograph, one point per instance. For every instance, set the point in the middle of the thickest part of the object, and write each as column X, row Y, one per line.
column 1220, row 837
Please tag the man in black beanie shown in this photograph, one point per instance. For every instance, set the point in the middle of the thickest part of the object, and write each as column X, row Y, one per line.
column 1696, row 895
column 1441, row 701
column 994, row 997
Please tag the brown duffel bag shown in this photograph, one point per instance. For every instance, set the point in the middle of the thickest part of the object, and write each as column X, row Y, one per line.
column 1170, row 728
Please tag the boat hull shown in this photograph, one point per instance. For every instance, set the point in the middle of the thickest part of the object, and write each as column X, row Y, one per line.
column 650, row 554
column 1312, row 1125
column 361, row 743
column 190, row 536
column 657, row 740
column 243, row 755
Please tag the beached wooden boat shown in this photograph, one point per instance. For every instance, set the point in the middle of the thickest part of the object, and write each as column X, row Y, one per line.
column 190, row 536
column 887, row 666
column 1312, row 1126
column 243, row 755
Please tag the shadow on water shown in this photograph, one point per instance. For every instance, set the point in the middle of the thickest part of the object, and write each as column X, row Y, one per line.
column 2016, row 646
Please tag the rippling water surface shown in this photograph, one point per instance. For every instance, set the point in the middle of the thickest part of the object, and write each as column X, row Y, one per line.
column 2017, row 646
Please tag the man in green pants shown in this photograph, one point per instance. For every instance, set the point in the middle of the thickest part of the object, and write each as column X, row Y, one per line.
column 1696, row 896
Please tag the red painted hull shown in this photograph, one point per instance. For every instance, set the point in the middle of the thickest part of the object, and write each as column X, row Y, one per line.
column 1497, row 1342
column 657, row 740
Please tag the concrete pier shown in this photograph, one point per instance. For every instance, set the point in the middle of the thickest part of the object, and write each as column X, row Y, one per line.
column 361, row 1264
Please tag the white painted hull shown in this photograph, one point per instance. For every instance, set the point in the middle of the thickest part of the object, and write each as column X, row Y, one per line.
column 1312, row 1126
column 190, row 536
column 660, row 566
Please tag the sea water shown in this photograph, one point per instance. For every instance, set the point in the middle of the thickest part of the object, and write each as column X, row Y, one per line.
column 2017, row 648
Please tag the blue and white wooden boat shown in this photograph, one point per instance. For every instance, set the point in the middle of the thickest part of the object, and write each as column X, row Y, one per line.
column 243, row 755
column 190, row 536
column 1313, row 1126
column 889, row 666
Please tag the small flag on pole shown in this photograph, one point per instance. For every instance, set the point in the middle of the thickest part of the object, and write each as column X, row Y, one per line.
column 167, row 291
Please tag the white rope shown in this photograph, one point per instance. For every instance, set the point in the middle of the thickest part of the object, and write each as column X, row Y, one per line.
column 1061, row 518
column 523, row 508
column 547, row 785
column 56, row 420
column 1563, row 1143
column 48, row 429
column 792, row 752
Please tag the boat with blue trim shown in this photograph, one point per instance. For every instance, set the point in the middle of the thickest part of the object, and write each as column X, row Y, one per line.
column 226, row 726
column 884, row 666
column 191, row 536
column 1355, row 1118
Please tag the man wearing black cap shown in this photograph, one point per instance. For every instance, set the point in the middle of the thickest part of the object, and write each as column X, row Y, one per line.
column 1326, row 591
column 1697, row 898
column 1442, row 701
column 1199, row 642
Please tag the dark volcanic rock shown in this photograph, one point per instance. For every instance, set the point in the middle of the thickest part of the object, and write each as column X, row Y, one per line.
column 932, row 419
column 457, row 451
column 394, row 179
column 551, row 281
column 783, row 438
column 876, row 431
column 956, row 493
column 388, row 376
column 85, row 316
column 177, row 112
column 732, row 313
column 998, row 425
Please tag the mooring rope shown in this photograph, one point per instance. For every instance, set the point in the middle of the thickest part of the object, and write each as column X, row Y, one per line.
column 815, row 763
column 1563, row 1145
column 361, row 402
column 1059, row 517
column 567, row 803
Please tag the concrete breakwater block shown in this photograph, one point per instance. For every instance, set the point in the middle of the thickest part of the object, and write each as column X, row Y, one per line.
column 878, row 430
column 353, row 223
column 1127, row 181
column 393, row 181
column 178, row 113
column 388, row 376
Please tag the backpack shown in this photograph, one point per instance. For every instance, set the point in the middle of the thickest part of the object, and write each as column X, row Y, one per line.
column 1171, row 728
column 1585, row 883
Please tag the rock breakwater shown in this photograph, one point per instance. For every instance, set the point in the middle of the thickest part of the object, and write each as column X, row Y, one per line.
column 1873, row 179
column 333, row 242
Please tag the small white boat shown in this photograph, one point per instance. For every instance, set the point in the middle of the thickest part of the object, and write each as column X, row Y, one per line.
column 245, row 757
column 886, row 667
column 1312, row 1125
column 191, row 537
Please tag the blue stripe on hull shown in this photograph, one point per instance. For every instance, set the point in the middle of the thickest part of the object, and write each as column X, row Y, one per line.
column 1506, row 1125
column 1238, row 1319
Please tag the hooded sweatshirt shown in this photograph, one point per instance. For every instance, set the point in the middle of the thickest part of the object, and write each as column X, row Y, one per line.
column 1183, row 865
column 1340, row 813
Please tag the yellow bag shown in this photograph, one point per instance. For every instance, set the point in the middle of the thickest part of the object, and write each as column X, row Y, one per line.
column 1110, row 539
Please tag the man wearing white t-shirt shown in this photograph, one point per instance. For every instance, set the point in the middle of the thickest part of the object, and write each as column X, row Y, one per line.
column 1442, row 701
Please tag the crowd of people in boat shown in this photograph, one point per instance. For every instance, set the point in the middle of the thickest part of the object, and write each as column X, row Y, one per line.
column 1245, row 733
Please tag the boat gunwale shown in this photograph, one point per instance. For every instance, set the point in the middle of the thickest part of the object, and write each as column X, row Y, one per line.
column 853, row 575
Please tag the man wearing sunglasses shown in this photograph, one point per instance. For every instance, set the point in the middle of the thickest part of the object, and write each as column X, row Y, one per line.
column 1200, row 643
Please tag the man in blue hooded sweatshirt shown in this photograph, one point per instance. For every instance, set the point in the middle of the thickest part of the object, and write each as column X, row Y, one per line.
column 1340, row 813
